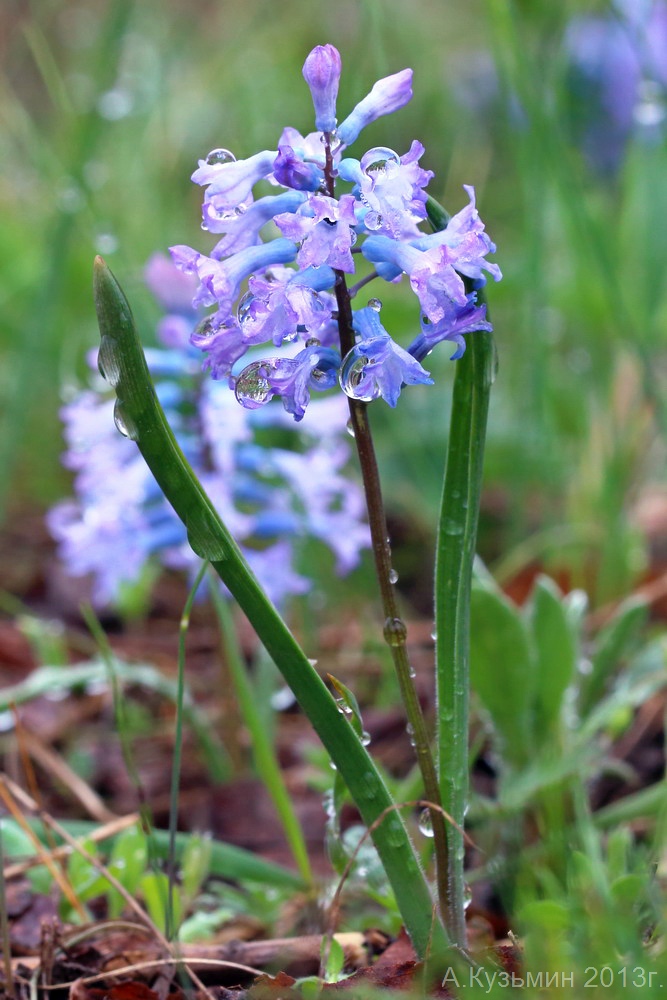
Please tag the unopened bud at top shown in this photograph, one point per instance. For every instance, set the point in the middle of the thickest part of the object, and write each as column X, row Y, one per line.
column 321, row 72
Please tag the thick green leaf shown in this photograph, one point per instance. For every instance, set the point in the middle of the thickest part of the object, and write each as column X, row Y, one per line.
column 556, row 655
column 502, row 670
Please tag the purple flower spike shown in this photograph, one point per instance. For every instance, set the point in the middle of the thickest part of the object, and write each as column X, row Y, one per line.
column 386, row 96
column 321, row 72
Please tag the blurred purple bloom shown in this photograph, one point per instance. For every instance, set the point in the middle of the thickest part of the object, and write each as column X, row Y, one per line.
column 118, row 519
column 172, row 290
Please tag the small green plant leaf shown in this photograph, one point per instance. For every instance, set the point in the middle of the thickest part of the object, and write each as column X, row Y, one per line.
column 195, row 865
column 128, row 860
column 613, row 643
column 556, row 655
column 154, row 888
column 502, row 670
column 332, row 951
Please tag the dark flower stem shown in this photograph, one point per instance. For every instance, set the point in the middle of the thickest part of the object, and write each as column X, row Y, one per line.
column 395, row 632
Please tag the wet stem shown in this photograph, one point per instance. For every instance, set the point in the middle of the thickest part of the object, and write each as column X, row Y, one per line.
column 395, row 632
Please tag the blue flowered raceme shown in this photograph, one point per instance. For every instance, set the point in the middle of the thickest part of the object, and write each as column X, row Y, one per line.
column 271, row 498
column 281, row 256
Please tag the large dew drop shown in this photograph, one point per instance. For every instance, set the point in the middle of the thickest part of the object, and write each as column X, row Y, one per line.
column 395, row 632
column 244, row 313
column 380, row 160
column 253, row 388
column 425, row 823
column 107, row 361
column 123, row 422
column 352, row 378
column 218, row 156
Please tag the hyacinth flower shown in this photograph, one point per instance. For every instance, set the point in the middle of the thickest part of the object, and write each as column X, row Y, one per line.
column 118, row 520
column 374, row 219
column 288, row 275
column 617, row 78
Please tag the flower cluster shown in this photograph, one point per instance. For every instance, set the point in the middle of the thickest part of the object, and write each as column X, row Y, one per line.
column 282, row 288
column 269, row 497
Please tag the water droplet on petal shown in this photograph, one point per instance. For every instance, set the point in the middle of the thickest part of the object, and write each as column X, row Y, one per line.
column 253, row 388
column 373, row 220
column 123, row 422
column 380, row 160
column 244, row 312
column 352, row 378
column 240, row 209
column 208, row 327
column 374, row 304
column 425, row 823
column 313, row 342
column 219, row 155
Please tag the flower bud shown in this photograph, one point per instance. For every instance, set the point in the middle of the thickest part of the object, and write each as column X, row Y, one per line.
column 387, row 95
column 321, row 72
